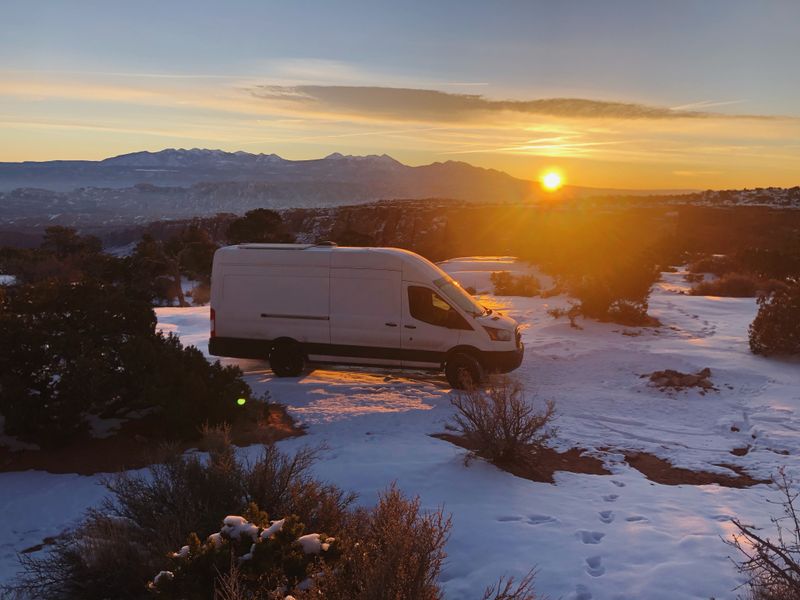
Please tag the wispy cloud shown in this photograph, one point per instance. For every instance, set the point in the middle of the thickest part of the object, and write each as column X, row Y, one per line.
column 428, row 104
column 704, row 104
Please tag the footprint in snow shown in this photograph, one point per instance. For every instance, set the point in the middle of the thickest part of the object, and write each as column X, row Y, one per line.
column 590, row 537
column 581, row 593
column 606, row 516
column 540, row 519
column 619, row 484
column 594, row 566
column 509, row 519
column 636, row 519
column 610, row 497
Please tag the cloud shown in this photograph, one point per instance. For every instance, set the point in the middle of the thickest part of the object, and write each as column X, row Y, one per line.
column 425, row 104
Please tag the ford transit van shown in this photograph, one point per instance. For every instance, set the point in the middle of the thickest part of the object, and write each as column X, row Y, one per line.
column 298, row 303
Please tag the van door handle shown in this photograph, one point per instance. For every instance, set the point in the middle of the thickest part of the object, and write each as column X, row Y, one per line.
column 410, row 326
column 391, row 324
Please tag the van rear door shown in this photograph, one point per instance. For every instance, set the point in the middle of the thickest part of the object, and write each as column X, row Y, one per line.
column 366, row 315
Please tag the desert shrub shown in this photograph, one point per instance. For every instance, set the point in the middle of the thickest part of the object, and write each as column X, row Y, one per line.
column 694, row 277
column 618, row 294
column 499, row 424
column 572, row 313
column 506, row 284
column 63, row 256
column 776, row 328
column 201, row 294
column 63, row 354
column 91, row 348
column 769, row 263
column 391, row 552
column 152, row 272
column 124, row 542
column 193, row 251
column 159, row 533
column 718, row 264
column 556, row 290
column 736, row 285
column 259, row 225
column 187, row 390
column 772, row 564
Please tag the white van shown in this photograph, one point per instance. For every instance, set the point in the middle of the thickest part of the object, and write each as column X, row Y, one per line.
column 293, row 303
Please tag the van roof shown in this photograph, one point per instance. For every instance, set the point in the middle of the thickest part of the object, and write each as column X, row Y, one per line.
column 254, row 246
column 412, row 265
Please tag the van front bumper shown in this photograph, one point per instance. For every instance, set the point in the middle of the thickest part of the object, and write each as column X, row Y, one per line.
column 503, row 362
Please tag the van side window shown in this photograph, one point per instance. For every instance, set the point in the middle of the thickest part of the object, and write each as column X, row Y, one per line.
column 429, row 307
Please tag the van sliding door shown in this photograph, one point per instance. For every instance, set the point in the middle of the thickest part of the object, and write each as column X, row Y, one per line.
column 365, row 311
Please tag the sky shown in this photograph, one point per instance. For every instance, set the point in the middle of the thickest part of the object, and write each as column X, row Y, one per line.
column 625, row 94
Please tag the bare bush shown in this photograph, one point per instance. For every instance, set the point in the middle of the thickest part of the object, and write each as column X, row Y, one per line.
column 772, row 565
column 499, row 424
column 505, row 589
column 572, row 313
column 391, row 552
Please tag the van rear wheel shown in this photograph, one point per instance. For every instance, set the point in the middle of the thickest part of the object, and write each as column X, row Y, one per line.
column 287, row 360
column 463, row 371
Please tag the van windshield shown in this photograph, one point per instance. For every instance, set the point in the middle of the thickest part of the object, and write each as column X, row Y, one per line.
column 452, row 290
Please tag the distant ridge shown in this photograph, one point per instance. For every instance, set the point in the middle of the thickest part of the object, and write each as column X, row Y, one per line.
column 376, row 176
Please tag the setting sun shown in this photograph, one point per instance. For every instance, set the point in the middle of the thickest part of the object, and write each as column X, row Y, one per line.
column 551, row 181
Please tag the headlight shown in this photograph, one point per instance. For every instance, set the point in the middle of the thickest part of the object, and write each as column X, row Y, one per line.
column 499, row 335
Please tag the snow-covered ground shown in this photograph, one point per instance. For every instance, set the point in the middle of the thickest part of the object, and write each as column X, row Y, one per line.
column 616, row 536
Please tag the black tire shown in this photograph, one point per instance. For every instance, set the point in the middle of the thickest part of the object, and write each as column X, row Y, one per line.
column 287, row 359
column 463, row 371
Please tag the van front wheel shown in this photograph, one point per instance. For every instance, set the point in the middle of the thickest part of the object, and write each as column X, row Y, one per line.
column 287, row 360
column 463, row 371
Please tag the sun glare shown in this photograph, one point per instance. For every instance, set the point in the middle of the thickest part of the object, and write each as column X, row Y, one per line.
column 551, row 181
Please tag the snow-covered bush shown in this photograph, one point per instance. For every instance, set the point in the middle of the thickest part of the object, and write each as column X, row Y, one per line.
column 123, row 543
column 507, row 284
column 499, row 424
column 776, row 328
column 272, row 559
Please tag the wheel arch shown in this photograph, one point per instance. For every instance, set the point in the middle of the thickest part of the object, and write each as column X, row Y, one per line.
column 464, row 349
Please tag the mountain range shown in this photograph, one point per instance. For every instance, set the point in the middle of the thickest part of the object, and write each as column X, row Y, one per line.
column 369, row 177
